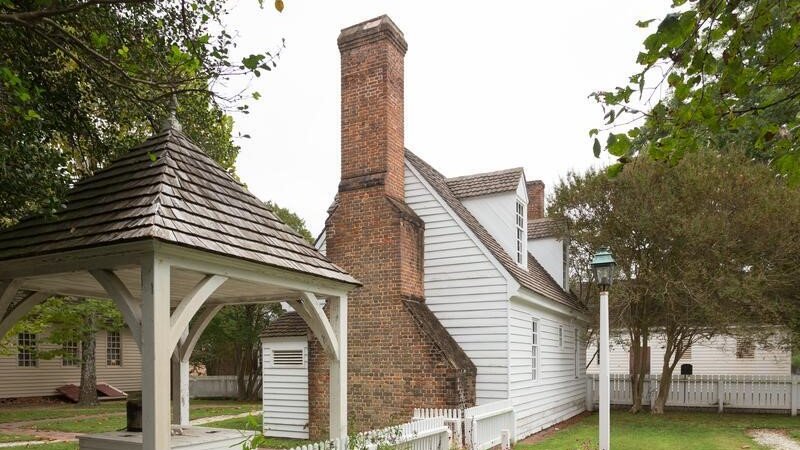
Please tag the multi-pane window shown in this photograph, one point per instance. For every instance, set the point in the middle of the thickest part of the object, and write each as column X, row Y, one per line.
column 577, row 353
column 113, row 349
column 534, row 349
column 70, row 356
column 26, row 350
column 520, row 233
column 745, row 349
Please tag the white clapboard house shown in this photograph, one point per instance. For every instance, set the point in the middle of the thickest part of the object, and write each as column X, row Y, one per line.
column 494, row 274
column 719, row 355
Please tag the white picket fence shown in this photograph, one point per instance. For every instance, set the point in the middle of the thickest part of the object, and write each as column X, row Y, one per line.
column 742, row 392
column 425, row 434
column 483, row 425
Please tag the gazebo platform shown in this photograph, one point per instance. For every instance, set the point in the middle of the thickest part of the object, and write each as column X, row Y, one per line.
column 194, row 438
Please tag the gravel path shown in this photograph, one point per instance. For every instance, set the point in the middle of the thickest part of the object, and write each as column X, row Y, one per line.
column 774, row 439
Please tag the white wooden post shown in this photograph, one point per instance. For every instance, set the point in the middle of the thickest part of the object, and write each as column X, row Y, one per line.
column 155, row 354
column 794, row 394
column 180, row 385
column 605, row 383
column 720, row 395
column 338, row 368
column 505, row 440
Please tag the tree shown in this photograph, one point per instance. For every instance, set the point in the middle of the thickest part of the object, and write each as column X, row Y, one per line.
column 66, row 322
column 83, row 80
column 704, row 246
column 232, row 341
column 716, row 73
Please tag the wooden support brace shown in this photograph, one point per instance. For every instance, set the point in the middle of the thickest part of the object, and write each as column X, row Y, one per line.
column 188, row 307
column 19, row 311
column 128, row 305
column 315, row 317
column 196, row 330
column 8, row 290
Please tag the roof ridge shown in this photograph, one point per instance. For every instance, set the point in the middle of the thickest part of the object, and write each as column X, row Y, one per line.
column 483, row 174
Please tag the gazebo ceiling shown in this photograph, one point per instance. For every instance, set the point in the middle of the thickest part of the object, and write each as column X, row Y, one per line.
column 167, row 190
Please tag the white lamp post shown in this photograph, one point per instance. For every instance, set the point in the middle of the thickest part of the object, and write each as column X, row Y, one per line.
column 603, row 268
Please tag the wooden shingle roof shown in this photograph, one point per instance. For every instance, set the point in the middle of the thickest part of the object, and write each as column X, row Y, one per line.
column 485, row 183
column 544, row 227
column 288, row 324
column 169, row 190
column 535, row 278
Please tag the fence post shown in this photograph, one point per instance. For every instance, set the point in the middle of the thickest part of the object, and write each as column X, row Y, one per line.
column 473, row 434
column 505, row 440
column 794, row 394
column 589, row 393
column 651, row 391
column 444, row 440
column 720, row 395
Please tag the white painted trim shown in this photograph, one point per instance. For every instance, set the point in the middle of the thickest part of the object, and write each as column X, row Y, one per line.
column 314, row 316
column 529, row 297
column 129, row 307
column 338, row 369
column 104, row 257
column 20, row 310
column 188, row 307
column 195, row 331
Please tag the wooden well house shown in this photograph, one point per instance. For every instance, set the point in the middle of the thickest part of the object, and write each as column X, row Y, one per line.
column 172, row 238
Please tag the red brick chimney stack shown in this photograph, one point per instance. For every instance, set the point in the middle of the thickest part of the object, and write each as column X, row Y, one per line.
column 372, row 105
column 535, row 199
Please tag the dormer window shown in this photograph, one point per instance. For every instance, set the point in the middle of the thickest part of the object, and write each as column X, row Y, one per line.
column 521, row 238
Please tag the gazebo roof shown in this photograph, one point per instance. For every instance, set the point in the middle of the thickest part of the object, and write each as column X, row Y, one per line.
column 168, row 189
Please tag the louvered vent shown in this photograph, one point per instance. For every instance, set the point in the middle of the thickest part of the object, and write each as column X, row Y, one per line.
column 287, row 357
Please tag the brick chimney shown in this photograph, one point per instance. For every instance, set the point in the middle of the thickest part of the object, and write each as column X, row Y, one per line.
column 535, row 199
column 399, row 355
column 372, row 105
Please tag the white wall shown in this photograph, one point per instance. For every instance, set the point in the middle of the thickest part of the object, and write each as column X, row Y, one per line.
column 464, row 289
column 709, row 357
column 43, row 380
column 285, row 390
column 557, row 394
column 498, row 214
column 550, row 254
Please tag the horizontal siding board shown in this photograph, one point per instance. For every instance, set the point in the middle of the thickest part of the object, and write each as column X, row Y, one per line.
column 285, row 391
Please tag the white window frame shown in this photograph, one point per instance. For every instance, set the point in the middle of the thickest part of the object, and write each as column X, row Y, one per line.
column 114, row 345
column 71, row 354
column 27, row 350
column 535, row 353
column 521, row 237
column 577, row 352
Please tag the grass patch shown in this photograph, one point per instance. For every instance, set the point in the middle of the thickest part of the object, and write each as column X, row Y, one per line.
column 211, row 408
column 53, row 446
column 5, row 438
column 55, row 411
column 251, row 423
column 673, row 430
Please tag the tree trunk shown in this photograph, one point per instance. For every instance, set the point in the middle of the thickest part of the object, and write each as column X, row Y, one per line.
column 88, row 388
column 636, row 372
column 667, row 368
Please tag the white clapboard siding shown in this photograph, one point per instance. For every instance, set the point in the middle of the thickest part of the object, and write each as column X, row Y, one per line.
column 716, row 356
column 464, row 289
column 557, row 394
column 285, row 386
column 44, row 379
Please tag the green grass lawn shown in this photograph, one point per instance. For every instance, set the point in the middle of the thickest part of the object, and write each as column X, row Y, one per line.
column 112, row 420
column 254, row 423
column 673, row 430
column 54, row 446
column 4, row 438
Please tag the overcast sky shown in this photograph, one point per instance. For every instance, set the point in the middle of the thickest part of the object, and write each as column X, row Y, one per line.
column 489, row 85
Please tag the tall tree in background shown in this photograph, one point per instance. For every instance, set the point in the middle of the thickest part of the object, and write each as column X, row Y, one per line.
column 704, row 246
column 715, row 74
column 83, row 80
column 232, row 341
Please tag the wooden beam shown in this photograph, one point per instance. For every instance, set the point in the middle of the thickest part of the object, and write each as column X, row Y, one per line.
column 156, row 355
column 337, row 307
column 196, row 330
column 308, row 308
column 8, row 290
column 130, row 308
column 20, row 310
column 188, row 307
column 129, row 254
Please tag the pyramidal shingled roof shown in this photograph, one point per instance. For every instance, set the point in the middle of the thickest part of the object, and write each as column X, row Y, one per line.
column 168, row 189
column 485, row 183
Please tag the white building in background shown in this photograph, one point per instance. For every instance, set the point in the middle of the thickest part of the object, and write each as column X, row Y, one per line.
column 720, row 355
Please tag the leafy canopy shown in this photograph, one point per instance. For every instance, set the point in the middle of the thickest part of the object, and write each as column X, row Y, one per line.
column 715, row 74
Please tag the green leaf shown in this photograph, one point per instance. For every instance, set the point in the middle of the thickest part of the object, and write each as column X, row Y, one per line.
column 618, row 144
column 593, row 132
column 123, row 52
column 597, row 148
column 251, row 62
column 644, row 23
column 613, row 170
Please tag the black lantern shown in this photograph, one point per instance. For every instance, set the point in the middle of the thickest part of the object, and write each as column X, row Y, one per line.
column 603, row 267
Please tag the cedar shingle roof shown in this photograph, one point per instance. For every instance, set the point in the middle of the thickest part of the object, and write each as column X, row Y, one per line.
column 535, row 278
column 544, row 227
column 288, row 324
column 169, row 190
column 485, row 183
